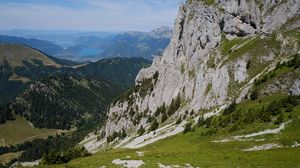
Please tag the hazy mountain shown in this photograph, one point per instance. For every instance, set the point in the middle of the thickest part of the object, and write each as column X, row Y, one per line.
column 126, row 44
column 92, row 46
column 63, row 38
column 45, row 46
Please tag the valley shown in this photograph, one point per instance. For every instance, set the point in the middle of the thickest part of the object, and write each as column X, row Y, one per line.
column 219, row 89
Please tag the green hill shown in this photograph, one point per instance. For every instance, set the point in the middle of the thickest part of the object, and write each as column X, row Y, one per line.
column 18, row 66
column 62, row 101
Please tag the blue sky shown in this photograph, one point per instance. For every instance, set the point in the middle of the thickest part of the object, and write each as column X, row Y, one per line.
column 90, row 15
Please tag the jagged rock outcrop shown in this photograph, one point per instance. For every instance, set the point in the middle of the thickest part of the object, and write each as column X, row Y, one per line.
column 202, row 68
column 295, row 89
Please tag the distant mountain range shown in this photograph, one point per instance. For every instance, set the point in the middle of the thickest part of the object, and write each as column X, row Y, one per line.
column 45, row 46
column 20, row 66
column 82, row 46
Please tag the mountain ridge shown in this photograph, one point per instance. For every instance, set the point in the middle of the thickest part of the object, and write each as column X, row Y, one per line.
column 45, row 46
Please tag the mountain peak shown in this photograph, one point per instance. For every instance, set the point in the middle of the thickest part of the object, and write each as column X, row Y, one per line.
column 162, row 32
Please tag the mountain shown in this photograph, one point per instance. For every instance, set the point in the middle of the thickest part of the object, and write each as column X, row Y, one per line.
column 63, row 38
column 92, row 46
column 126, row 44
column 137, row 44
column 44, row 46
column 230, row 70
column 162, row 32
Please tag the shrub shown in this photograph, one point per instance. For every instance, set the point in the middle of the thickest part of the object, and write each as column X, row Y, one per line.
column 234, row 127
column 131, row 112
column 287, row 142
column 266, row 117
column 295, row 62
column 155, row 77
column 279, row 119
column 289, row 108
column 230, row 109
column 187, row 127
column 64, row 157
column 174, row 106
column 150, row 119
column 248, row 66
column 209, row 132
column 112, row 137
column 208, row 122
column 154, row 125
column 201, row 121
column 123, row 134
column 250, row 116
column 179, row 120
column 254, row 94
column 159, row 110
column 164, row 117
column 141, row 130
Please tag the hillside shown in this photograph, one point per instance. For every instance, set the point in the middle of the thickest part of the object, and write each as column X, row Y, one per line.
column 249, row 134
column 232, row 67
column 204, row 148
column 20, row 65
column 64, row 102
column 44, row 46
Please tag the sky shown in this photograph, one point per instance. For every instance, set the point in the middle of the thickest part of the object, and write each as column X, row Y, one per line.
column 88, row 15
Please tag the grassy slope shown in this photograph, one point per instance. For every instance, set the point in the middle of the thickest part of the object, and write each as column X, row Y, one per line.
column 15, row 55
column 199, row 150
column 6, row 158
column 19, row 130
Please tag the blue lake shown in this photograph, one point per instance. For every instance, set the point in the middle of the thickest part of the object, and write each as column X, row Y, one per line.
column 89, row 51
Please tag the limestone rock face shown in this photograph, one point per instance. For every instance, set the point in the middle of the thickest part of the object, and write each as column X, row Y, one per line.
column 295, row 89
column 194, row 65
column 274, row 17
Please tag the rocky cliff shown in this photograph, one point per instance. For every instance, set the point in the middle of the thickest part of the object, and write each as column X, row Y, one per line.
column 218, row 49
